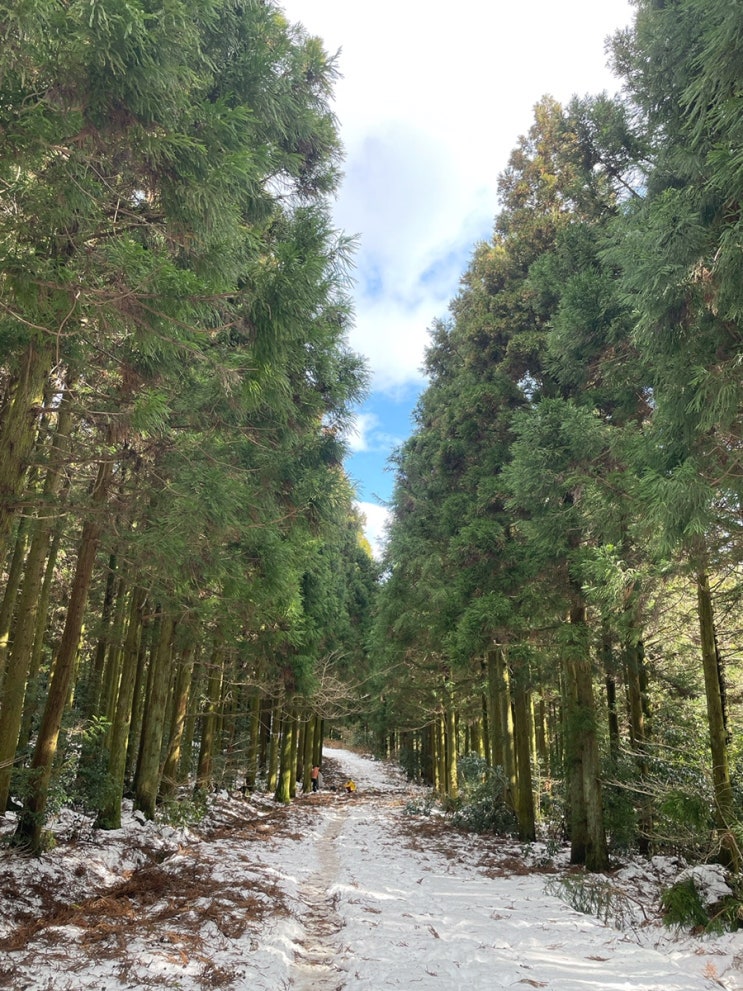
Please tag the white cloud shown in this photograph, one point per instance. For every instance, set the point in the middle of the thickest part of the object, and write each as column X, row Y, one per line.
column 366, row 434
column 431, row 102
column 377, row 519
column 358, row 436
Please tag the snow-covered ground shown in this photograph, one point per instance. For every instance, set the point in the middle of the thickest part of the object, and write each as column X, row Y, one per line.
column 333, row 892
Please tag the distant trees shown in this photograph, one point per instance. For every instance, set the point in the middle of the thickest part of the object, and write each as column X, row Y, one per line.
column 183, row 571
column 576, row 465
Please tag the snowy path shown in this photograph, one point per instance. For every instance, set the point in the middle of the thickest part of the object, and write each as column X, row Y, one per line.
column 332, row 893
column 418, row 916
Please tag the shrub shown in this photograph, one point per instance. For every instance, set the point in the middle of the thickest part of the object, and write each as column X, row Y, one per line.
column 682, row 905
column 482, row 808
column 420, row 806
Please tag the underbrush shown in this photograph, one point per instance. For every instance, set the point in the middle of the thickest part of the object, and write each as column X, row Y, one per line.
column 704, row 900
column 595, row 895
column 481, row 807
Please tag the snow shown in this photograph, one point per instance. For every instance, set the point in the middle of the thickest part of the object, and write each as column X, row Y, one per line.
column 335, row 892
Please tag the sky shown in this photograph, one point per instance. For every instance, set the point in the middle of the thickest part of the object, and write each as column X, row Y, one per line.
column 431, row 101
column 362, row 892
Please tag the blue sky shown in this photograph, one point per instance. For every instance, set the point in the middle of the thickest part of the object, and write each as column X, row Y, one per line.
column 431, row 101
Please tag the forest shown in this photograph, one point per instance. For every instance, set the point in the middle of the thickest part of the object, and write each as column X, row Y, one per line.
column 554, row 640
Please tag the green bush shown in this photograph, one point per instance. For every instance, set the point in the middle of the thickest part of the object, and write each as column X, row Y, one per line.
column 183, row 811
column 420, row 806
column 682, row 906
column 482, row 807
column 486, row 815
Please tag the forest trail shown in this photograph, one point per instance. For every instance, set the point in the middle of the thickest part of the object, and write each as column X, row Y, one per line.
column 332, row 893
column 315, row 965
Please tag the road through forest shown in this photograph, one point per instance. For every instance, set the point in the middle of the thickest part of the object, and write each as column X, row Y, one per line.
column 333, row 892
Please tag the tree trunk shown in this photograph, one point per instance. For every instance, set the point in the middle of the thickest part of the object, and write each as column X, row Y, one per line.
column 497, row 733
column 181, row 696
column 295, row 749
column 274, row 745
column 308, row 753
column 189, row 727
column 18, row 433
column 287, row 762
column 318, row 738
column 109, row 816
column 19, row 660
column 450, row 741
column 31, row 700
column 210, row 723
column 19, row 666
column 639, row 725
column 111, row 674
column 716, row 717
column 502, row 718
column 587, row 831
column 439, row 740
column 16, row 573
column 252, row 759
column 153, row 720
column 148, row 633
column 93, row 684
column 522, row 742
column 30, row 824
column 610, row 682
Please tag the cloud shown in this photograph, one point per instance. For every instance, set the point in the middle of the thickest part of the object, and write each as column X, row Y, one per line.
column 377, row 519
column 418, row 220
column 357, row 437
column 366, row 435
column 430, row 104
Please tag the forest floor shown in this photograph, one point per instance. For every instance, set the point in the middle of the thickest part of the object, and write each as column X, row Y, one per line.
column 329, row 893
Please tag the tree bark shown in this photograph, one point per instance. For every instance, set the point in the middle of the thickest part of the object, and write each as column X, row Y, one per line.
column 587, row 833
column 503, row 742
column 287, row 759
column 209, row 723
column 716, row 717
column 450, row 741
column 30, row 825
column 308, row 752
column 16, row 572
column 18, row 433
column 147, row 783
column 31, row 700
column 636, row 680
column 20, row 657
column 274, row 746
column 181, row 696
column 522, row 741
column 109, row 816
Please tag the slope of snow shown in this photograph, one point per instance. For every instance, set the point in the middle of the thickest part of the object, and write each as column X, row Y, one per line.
column 333, row 892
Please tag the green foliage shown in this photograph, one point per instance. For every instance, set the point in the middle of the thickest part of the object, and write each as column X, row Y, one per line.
column 682, row 905
column 91, row 782
column 685, row 819
column 482, row 808
column 184, row 810
column 422, row 806
column 621, row 814
column 595, row 896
